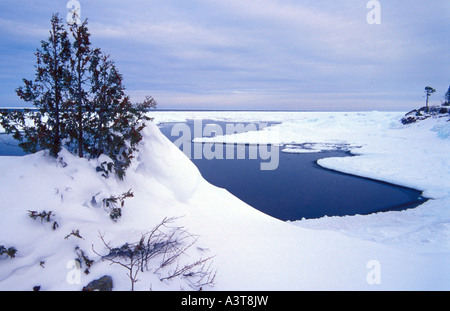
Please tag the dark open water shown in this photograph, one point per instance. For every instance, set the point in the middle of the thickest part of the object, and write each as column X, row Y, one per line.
column 299, row 187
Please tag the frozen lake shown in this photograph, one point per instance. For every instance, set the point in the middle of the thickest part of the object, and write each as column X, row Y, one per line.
column 299, row 188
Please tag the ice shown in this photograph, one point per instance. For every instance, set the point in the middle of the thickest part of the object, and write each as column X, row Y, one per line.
column 252, row 250
column 443, row 130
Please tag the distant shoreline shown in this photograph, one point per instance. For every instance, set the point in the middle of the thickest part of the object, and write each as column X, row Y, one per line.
column 235, row 110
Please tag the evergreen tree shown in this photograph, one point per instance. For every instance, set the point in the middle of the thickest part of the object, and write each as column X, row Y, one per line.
column 80, row 98
column 124, row 131
column 108, row 92
column 116, row 123
column 428, row 91
column 81, row 58
column 44, row 127
column 447, row 97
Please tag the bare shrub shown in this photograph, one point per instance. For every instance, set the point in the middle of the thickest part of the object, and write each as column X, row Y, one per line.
column 161, row 250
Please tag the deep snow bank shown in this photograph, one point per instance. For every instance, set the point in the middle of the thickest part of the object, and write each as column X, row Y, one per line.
column 252, row 250
column 414, row 155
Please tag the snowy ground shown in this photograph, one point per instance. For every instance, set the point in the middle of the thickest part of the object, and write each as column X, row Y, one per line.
column 406, row 250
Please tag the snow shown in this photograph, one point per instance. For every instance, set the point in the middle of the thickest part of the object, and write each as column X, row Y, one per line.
column 252, row 251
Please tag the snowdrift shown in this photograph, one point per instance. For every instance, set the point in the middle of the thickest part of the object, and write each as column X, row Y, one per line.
column 250, row 250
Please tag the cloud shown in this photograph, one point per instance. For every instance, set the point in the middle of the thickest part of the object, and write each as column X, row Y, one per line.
column 22, row 28
column 205, row 49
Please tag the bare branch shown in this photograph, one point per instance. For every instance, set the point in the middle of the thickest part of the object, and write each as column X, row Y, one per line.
column 169, row 246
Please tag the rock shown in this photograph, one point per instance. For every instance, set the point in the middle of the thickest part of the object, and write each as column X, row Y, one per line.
column 443, row 110
column 408, row 120
column 103, row 284
column 423, row 113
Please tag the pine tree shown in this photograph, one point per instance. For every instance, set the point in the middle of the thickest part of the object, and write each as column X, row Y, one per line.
column 108, row 92
column 43, row 128
column 116, row 124
column 80, row 98
column 81, row 57
column 127, row 125
column 428, row 91
column 447, row 97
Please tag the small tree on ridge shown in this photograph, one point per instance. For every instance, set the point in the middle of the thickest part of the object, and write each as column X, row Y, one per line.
column 80, row 100
column 428, row 91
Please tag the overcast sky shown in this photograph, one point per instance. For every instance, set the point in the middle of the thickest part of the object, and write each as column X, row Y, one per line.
column 250, row 54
